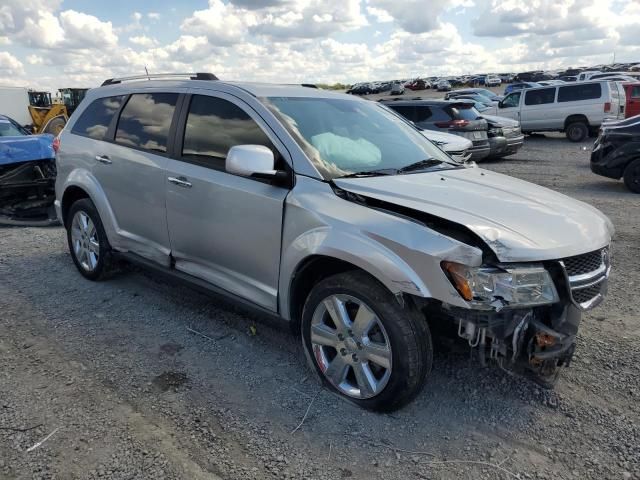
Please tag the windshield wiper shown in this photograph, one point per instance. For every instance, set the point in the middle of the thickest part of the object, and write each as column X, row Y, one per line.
column 428, row 163
column 372, row 173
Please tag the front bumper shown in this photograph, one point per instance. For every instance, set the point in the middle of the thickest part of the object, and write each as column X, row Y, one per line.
column 509, row 144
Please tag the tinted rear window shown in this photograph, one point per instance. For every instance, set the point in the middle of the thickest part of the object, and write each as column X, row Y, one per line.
column 635, row 92
column 94, row 121
column 463, row 113
column 145, row 120
column 573, row 93
column 539, row 97
column 406, row 111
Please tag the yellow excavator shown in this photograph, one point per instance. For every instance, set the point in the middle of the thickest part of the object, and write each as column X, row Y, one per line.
column 51, row 116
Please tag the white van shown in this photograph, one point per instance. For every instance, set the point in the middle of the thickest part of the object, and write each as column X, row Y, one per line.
column 578, row 109
column 14, row 103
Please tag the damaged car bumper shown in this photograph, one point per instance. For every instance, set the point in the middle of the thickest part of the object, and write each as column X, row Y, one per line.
column 27, row 193
column 537, row 341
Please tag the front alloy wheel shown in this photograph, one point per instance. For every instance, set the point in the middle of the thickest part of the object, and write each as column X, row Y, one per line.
column 365, row 344
column 351, row 346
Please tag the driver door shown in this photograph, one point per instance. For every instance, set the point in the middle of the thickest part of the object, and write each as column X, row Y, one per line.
column 510, row 106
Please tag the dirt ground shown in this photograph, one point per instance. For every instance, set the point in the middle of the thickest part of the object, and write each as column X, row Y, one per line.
column 111, row 378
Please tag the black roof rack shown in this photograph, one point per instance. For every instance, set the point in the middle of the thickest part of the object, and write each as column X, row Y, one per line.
column 154, row 76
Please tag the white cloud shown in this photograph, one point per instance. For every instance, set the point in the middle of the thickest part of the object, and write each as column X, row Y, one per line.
column 143, row 41
column 153, row 15
column 380, row 15
column 10, row 65
column 221, row 23
column 86, row 31
column 35, row 59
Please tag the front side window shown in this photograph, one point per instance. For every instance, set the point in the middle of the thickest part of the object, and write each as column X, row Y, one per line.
column 344, row 137
column 635, row 92
column 512, row 100
column 145, row 121
column 587, row 91
column 94, row 121
column 214, row 125
column 10, row 129
column 540, row 97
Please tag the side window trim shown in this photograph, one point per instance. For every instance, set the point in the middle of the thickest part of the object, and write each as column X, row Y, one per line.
column 111, row 131
column 255, row 116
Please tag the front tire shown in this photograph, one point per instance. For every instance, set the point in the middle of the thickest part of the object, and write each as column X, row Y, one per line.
column 363, row 344
column 632, row 176
column 88, row 243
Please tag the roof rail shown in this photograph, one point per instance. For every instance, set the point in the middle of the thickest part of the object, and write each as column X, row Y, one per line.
column 154, row 76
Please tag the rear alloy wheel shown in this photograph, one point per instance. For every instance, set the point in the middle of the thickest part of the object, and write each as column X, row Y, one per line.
column 577, row 131
column 363, row 344
column 632, row 176
column 87, row 240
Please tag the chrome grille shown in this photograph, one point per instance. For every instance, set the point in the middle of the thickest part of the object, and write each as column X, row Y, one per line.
column 584, row 295
column 587, row 275
column 581, row 264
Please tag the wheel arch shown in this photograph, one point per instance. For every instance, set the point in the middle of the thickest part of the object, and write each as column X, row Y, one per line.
column 300, row 275
column 82, row 184
column 576, row 118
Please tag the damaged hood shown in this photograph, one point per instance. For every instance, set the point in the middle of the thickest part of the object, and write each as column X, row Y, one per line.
column 26, row 148
column 518, row 220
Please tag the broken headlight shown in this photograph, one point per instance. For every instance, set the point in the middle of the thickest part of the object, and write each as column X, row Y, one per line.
column 516, row 286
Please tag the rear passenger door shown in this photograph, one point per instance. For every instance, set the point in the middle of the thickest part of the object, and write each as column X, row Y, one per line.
column 224, row 229
column 538, row 112
column 129, row 166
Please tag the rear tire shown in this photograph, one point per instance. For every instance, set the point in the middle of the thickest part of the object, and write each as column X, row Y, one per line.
column 88, row 243
column 577, row 131
column 55, row 126
column 632, row 176
column 381, row 367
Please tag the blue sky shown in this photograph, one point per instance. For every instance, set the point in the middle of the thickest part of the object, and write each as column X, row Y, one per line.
column 54, row 43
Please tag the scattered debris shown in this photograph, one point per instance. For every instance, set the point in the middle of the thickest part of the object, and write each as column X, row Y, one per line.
column 32, row 448
column 305, row 413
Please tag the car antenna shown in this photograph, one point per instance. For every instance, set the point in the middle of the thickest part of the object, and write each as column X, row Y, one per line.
column 147, row 72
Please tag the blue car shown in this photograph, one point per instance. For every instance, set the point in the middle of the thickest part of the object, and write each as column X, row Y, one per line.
column 27, row 176
column 513, row 87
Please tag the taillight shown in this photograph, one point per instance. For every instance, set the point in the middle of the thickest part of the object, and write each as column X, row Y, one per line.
column 56, row 144
column 607, row 107
column 452, row 124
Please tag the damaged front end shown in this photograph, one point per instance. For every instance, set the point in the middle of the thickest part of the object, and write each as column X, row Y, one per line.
column 532, row 333
column 27, row 193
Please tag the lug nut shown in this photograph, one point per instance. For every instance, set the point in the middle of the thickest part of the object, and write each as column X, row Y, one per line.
column 359, row 346
column 340, row 337
column 350, row 333
column 354, row 357
column 343, row 351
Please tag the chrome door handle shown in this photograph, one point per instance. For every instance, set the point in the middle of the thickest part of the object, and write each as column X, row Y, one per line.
column 103, row 159
column 180, row 181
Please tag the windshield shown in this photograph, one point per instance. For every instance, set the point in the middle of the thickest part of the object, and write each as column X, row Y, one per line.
column 9, row 129
column 349, row 137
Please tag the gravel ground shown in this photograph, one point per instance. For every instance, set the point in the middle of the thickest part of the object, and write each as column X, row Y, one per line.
column 128, row 392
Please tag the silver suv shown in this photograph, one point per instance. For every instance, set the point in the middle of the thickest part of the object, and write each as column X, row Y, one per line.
column 335, row 215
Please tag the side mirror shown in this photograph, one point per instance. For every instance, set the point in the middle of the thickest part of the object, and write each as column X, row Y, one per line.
column 250, row 160
column 500, row 104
